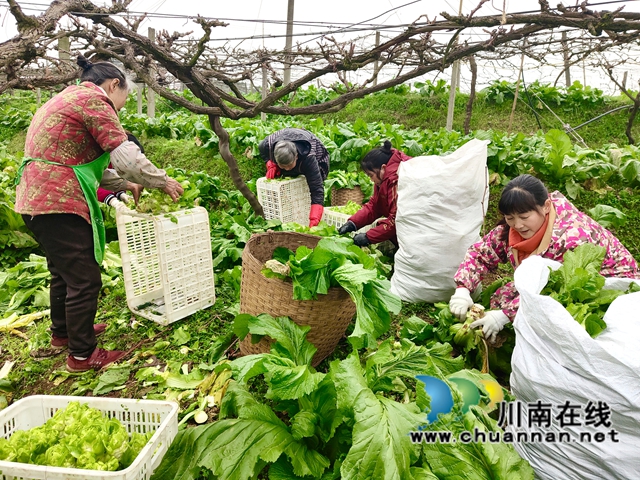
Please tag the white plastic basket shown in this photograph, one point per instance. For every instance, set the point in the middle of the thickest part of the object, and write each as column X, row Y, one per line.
column 338, row 219
column 285, row 200
column 167, row 265
column 140, row 416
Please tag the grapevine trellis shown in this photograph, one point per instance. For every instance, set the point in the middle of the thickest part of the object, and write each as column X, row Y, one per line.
column 99, row 32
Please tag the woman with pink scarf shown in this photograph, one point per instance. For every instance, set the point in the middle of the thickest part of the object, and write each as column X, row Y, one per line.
column 535, row 223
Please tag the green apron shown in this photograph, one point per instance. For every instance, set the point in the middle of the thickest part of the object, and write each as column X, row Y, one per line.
column 89, row 176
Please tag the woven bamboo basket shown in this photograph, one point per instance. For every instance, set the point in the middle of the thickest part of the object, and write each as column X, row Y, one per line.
column 342, row 196
column 328, row 316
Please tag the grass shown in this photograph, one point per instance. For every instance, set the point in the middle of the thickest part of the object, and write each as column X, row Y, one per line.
column 628, row 202
column 417, row 111
column 186, row 154
column 15, row 145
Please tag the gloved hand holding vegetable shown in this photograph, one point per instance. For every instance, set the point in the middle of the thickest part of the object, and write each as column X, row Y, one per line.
column 347, row 227
column 361, row 240
column 492, row 322
column 123, row 197
column 460, row 302
column 117, row 204
column 315, row 215
column 273, row 170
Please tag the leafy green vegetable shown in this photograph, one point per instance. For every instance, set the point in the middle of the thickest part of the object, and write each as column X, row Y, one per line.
column 350, row 208
column 349, row 425
column 181, row 336
column 406, row 359
column 341, row 179
column 607, row 216
column 416, row 329
column 286, row 368
column 238, row 448
column 199, row 189
column 338, row 262
column 577, row 285
column 113, row 379
column 25, row 286
column 381, row 447
column 489, row 461
column 77, row 436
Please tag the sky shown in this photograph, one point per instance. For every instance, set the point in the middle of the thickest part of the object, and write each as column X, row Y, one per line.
column 253, row 19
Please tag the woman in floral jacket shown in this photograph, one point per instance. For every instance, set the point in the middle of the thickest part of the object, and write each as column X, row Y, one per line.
column 71, row 140
column 535, row 223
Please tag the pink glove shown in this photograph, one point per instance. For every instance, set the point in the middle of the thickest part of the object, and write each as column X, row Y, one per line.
column 273, row 170
column 315, row 215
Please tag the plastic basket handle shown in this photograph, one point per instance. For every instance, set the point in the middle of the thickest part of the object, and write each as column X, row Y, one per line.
column 156, row 458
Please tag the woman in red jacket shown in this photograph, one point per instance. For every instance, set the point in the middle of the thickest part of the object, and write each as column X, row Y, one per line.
column 381, row 165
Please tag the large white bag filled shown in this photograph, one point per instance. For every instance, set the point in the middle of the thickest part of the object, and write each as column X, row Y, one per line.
column 555, row 360
column 442, row 201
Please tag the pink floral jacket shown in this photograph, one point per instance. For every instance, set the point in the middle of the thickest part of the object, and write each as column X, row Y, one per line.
column 570, row 228
column 74, row 127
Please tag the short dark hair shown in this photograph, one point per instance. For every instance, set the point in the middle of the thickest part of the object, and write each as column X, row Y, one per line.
column 100, row 72
column 376, row 158
column 523, row 194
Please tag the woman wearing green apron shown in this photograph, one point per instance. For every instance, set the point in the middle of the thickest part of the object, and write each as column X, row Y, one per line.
column 69, row 144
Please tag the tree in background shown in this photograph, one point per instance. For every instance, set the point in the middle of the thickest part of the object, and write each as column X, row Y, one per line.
column 26, row 61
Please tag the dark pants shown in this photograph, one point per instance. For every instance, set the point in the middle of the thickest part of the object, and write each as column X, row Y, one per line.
column 67, row 241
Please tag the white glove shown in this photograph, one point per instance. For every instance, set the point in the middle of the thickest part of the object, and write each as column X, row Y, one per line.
column 117, row 204
column 460, row 302
column 492, row 322
column 123, row 197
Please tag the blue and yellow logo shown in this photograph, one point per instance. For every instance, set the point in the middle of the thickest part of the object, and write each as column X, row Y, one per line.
column 442, row 398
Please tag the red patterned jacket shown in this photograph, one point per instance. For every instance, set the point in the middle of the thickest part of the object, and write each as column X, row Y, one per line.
column 74, row 127
column 383, row 203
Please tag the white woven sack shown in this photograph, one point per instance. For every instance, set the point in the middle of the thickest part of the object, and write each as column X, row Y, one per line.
column 556, row 360
column 442, row 201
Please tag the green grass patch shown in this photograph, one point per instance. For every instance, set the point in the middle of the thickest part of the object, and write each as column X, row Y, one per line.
column 189, row 156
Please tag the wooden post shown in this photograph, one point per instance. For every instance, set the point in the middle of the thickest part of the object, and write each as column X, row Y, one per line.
column 472, row 93
column 375, row 64
column 263, row 116
column 151, row 95
column 455, row 78
column 452, row 95
column 38, row 97
column 515, row 95
column 139, row 86
column 565, row 54
column 64, row 47
column 288, row 43
column 3, row 79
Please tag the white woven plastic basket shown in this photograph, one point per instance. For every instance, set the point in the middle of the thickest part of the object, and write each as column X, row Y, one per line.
column 285, row 200
column 166, row 263
column 338, row 219
column 140, row 416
